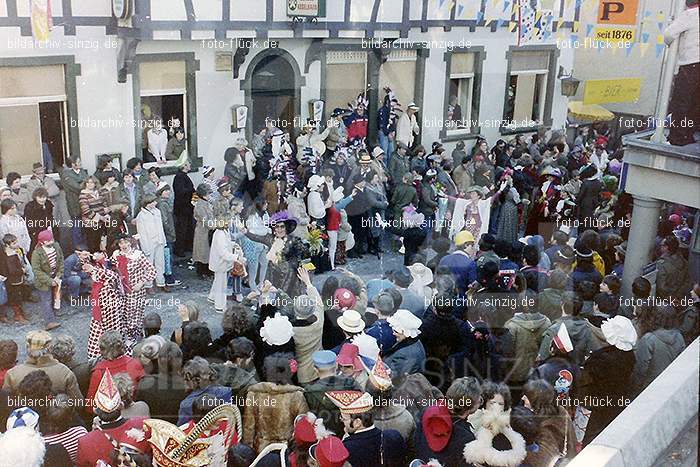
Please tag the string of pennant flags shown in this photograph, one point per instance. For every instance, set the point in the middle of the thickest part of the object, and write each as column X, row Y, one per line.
column 532, row 24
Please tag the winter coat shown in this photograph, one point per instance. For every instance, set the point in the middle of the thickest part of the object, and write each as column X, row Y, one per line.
column 72, row 184
column 234, row 377
column 462, row 268
column 398, row 166
column 307, row 338
column 587, row 201
column 62, row 379
column 527, row 330
column 318, row 403
column 580, row 334
column 672, row 278
column 406, row 129
column 149, row 225
column 404, row 194
column 221, row 255
column 654, row 352
column 183, row 189
column 137, row 191
column 428, row 200
column 550, row 303
column 405, row 357
column 376, row 448
column 204, row 215
column 553, row 431
column 689, row 323
column 16, row 226
column 685, row 26
column 269, row 413
column 462, row 178
column 165, row 206
column 43, row 279
column 396, row 417
column 606, row 378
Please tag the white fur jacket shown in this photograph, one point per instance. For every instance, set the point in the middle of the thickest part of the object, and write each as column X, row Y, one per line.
column 481, row 452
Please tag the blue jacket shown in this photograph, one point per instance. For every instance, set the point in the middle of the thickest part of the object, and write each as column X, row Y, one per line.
column 381, row 331
column 376, row 447
column 405, row 358
column 462, row 267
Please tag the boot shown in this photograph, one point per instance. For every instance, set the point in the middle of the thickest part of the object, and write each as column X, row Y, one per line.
column 19, row 315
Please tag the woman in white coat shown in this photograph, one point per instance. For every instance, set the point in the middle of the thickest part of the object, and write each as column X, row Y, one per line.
column 149, row 226
column 221, row 258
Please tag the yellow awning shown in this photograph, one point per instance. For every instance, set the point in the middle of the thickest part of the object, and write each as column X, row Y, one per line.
column 589, row 112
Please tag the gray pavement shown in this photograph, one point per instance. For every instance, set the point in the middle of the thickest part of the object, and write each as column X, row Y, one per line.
column 75, row 317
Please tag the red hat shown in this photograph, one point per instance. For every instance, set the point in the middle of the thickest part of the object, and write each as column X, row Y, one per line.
column 329, row 452
column 45, row 236
column 350, row 356
column 437, row 427
column 304, row 432
column 344, row 298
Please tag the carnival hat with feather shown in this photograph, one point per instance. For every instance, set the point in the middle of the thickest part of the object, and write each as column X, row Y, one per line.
column 285, row 218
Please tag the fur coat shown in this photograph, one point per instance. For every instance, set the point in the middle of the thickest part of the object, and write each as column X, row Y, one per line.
column 482, row 452
column 269, row 414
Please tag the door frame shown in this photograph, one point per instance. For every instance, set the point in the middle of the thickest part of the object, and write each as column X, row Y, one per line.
column 247, row 84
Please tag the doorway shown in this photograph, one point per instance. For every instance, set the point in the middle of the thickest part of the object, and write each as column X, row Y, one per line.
column 273, row 94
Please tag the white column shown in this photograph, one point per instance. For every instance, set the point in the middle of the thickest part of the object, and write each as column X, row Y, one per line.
column 640, row 244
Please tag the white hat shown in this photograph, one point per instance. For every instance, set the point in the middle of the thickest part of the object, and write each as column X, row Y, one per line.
column 422, row 275
column 377, row 151
column 338, row 194
column 24, row 416
column 405, row 322
column 412, row 105
column 241, row 142
column 351, row 321
column 314, row 182
column 207, row 169
column 277, row 330
column 619, row 332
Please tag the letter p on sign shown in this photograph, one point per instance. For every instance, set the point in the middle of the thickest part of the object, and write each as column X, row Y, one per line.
column 618, row 11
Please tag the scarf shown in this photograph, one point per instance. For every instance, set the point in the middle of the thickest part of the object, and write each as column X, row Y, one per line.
column 122, row 268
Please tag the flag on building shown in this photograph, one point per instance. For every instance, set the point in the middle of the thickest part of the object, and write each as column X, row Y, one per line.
column 41, row 19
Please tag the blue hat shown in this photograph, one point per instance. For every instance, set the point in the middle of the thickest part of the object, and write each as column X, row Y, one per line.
column 24, row 416
column 323, row 358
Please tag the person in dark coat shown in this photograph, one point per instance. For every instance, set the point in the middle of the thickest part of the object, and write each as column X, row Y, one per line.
column 584, row 271
column 658, row 348
column 588, row 198
column 460, row 263
column 441, row 336
column 38, row 213
column 443, row 429
column 607, row 375
column 183, row 210
column 367, row 444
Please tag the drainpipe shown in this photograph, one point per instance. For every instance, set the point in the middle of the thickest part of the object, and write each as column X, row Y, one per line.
column 668, row 70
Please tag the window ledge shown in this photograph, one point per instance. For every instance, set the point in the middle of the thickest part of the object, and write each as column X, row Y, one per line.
column 460, row 136
column 520, row 130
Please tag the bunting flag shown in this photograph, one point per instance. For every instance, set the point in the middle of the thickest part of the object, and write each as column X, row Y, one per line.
column 645, row 37
column 628, row 50
column 589, row 30
column 659, row 49
column 41, row 20
column 647, row 13
column 513, row 26
column 479, row 16
column 660, row 39
column 573, row 38
column 460, row 10
column 560, row 23
column 576, row 26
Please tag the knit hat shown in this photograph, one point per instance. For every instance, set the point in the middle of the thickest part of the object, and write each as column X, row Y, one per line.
column 162, row 186
column 383, row 302
column 38, row 340
column 206, row 170
column 344, row 298
column 45, row 236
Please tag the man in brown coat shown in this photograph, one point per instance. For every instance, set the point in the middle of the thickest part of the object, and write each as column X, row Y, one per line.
column 63, row 380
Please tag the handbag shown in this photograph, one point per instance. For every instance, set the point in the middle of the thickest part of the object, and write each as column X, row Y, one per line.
column 239, row 269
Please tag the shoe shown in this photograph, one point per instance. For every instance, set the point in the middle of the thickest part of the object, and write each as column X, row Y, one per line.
column 173, row 283
column 210, row 300
column 19, row 315
column 219, row 310
column 239, row 297
column 180, row 254
column 51, row 326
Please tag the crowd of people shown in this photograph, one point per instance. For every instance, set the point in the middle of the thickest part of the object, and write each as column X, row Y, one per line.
column 496, row 342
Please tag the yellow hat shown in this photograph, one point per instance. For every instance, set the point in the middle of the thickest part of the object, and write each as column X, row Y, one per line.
column 463, row 237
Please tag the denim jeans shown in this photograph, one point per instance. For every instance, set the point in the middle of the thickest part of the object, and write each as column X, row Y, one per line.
column 387, row 145
column 46, row 305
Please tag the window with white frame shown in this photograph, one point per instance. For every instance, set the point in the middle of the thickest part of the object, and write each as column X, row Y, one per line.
column 526, row 89
column 33, row 118
column 163, row 93
column 460, row 93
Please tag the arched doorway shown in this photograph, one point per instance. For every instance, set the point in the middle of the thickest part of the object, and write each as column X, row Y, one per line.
column 273, row 91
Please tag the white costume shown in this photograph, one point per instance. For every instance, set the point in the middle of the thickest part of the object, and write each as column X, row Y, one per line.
column 149, row 226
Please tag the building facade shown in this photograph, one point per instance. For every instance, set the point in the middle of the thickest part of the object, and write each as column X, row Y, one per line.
column 108, row 67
